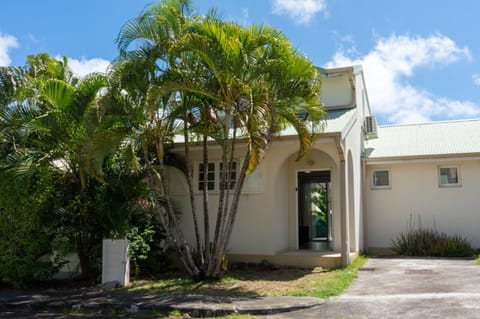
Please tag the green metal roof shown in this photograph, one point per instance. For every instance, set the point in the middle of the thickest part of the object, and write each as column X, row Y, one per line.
column 337, row 121
column 429, row 139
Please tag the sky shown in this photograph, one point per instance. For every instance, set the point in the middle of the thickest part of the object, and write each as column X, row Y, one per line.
column 421, row 59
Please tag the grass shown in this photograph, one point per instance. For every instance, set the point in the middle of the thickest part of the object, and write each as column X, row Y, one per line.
column 316, row 282
column 331, row 283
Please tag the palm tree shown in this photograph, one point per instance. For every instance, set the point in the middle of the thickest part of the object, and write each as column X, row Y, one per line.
column 258, row 83
column 142, row 74
column 226, row 84
column 62, row 123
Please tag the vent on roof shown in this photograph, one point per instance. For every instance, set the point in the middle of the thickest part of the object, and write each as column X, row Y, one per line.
column 370, row 127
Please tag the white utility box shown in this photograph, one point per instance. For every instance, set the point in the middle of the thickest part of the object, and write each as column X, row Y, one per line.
column 116, row 261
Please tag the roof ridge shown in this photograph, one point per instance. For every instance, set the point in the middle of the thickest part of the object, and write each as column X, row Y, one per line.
column 430, row 123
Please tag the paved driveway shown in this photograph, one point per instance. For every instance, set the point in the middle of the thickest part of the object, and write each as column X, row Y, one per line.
column 406, row 288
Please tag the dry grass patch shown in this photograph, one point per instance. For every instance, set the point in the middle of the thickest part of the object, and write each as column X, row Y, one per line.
column 318, row 282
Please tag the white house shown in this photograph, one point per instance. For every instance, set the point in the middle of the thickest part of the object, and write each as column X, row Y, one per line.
column 357, row 188
column 423, row 173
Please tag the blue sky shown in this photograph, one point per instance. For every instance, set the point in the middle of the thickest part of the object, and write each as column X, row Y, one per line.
column 421, row 58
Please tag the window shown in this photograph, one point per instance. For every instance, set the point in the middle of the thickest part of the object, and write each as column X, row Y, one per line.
column 213, row 175
column 381, row 179
column 233, row 174
column 210, row 178
column 448, row 176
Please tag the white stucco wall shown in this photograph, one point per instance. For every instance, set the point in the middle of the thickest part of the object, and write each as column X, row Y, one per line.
column 353, row 185
column 415, row 194
column 336, row 91
column 266, row 223
column 353, row 144
column 255, row 222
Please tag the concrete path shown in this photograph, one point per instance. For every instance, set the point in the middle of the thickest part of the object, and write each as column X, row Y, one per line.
column 101, row 302
column 406, row 288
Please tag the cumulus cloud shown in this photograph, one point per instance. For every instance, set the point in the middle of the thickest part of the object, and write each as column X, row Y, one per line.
column 389, row 66
column 83, row 66
column 7, row 42
column 301, row 11
column 476, row 79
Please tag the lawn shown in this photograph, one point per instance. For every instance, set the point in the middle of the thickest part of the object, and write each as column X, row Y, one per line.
column 316, row 282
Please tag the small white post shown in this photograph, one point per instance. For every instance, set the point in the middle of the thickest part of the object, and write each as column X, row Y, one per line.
column 116, row 261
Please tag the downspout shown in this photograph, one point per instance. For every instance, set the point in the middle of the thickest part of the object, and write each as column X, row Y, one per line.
column 364, row 205
column 345, row 231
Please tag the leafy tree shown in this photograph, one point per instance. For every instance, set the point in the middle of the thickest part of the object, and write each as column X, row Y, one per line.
column 225, row 83
column 25, row 230
column 64, row 124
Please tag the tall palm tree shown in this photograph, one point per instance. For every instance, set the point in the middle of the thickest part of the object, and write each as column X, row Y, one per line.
column 226, row 83
column 143, row 73
column 257, row 83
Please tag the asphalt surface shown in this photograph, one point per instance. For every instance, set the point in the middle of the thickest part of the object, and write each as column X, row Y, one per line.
column 405, row 288
column 385, row 288
column 100, row 303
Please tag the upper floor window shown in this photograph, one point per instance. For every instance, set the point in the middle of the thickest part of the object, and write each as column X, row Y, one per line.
column 381, row 179
column 448, row 176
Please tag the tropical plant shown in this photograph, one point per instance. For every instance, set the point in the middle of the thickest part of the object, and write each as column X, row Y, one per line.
column 430, row 242
column 58, row 122
column 225, row 84
column 25, row 228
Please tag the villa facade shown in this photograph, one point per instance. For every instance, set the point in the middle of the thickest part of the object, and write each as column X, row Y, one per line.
column 357, row 190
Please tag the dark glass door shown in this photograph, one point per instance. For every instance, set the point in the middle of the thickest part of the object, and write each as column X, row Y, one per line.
column 313, row 210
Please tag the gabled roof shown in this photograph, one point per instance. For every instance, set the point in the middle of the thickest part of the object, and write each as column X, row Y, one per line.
column 434, row 139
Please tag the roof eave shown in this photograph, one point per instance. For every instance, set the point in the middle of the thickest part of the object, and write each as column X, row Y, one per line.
column 425, row 157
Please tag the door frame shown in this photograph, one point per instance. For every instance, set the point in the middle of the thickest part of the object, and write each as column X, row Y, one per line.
column 297, row 204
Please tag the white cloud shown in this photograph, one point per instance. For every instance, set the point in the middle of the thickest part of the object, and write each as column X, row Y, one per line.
column 85, row 66
column 476, row 79
column 389, row 65
column 6, row 42
column 301, row 11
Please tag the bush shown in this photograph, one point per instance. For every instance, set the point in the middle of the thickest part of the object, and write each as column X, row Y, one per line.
column 25, row 238
column 429, row 242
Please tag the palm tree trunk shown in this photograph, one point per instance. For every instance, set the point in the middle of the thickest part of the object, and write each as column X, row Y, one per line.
column 188, row 174
column 173, row 233
column 87, row 272
column 225, row 239
column 219, row 226
column 206, row 215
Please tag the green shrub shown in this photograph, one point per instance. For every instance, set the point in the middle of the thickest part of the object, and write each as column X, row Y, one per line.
column 429, row 242
column 25, row 238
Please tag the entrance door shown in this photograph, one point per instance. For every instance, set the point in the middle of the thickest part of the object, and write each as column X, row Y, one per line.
column 314, row 210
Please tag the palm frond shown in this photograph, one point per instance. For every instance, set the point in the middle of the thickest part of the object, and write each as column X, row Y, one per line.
column 58, row 94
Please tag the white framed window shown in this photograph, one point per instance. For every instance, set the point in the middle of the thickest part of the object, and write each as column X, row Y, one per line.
column 448, row 176
column 206, row 176
column 212, row 176
column 381, row 179
column 233, row 175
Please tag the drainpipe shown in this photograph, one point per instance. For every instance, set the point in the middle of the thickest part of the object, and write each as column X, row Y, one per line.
column 345, row 230
column 365, row 184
